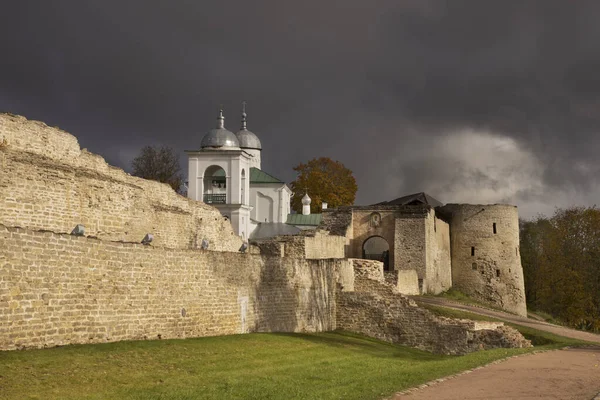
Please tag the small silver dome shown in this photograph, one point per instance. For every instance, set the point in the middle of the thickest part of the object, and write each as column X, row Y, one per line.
column 220, row 138
column 306, row 200
column 248, row 140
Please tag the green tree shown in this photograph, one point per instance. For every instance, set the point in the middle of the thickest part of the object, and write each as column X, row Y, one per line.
column 561, row 265
column 158, row 164
column 324, row 180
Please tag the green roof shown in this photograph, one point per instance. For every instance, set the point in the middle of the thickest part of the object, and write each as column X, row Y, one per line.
column 300, row 219
column 258, row 176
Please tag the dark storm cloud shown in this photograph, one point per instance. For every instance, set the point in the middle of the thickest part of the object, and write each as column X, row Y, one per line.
column 408, row 94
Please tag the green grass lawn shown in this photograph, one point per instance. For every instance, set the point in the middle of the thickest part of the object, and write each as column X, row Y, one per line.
column 331, row 365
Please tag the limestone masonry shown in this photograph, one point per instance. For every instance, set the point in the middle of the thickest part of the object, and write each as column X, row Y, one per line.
column 474, row 248
column 57, row 288
column 49, row 183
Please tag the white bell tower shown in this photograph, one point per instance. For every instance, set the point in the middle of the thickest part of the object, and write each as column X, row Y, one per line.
column 219, row 175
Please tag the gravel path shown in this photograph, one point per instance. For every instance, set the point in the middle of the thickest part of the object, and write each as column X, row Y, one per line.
column 560, row 374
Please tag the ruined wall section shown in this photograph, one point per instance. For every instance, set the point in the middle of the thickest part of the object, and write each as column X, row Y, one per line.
column 409, row 247
column 324, row 246
column 438, row 264
column 319, row 246
column 337, row 221
column 375, row 309
column 47, row 182
column 485, row 254
column 36, row 137
column 58, row 289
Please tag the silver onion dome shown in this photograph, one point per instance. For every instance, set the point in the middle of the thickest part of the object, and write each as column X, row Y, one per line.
column 247, row 139
column 306, row 200
column 220, row 138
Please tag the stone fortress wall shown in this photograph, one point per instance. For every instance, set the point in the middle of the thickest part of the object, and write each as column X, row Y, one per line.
column 419, row 241
column 473, row 248
column 486, row 263
column 48, row 183
column 58, row 289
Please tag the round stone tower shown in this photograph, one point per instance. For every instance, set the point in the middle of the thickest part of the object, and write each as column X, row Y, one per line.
column 486, row 262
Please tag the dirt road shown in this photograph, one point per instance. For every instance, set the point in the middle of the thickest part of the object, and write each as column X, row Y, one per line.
column 541, row 325
column 560, row 374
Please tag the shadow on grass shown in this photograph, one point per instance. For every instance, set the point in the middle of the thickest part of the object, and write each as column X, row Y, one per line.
column 365, row 345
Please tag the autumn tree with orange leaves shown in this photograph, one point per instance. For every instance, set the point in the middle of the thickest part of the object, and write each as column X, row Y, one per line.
column 324, row 180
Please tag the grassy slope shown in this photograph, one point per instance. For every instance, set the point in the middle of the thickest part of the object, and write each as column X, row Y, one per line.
column 460, row 297
column 537, row 337
column 255, row 366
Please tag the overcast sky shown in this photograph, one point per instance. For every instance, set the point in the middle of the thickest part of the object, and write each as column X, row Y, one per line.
column 470, row 101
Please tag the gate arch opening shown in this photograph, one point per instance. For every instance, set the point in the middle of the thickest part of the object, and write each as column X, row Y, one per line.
column 377, row 248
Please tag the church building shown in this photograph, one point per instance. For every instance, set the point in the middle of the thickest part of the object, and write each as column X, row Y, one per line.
column 226, row 173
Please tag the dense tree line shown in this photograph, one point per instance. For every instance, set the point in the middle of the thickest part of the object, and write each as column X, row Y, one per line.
column 561, row 263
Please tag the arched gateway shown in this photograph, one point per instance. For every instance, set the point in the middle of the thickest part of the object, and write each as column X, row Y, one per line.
column 377, row 248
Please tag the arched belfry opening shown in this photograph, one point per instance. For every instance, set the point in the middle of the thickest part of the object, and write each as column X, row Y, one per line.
column 377, row 248
column 215, row 185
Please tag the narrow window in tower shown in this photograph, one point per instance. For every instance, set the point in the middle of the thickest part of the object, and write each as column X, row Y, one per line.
column 472, row 251
column 494, row 225
column 498, row 273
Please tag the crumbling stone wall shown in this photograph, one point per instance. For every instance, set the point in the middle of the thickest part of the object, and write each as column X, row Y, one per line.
column 337, row 221
column 316, row 246
column 409, row 247
column 406, row 282
column 58, row 289
column 438, row 269
column 486, row 263
column 324, row 246
column 368, row 269
column 375, row 309
column 48, row 182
